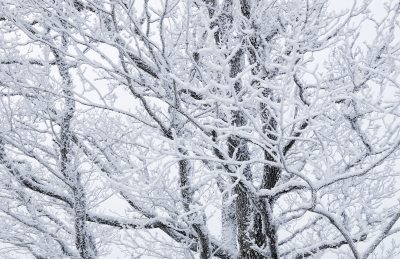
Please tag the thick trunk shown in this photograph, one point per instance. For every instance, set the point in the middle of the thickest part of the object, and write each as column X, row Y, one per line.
column 254, row 227
column 238, row 150
column 265, row 233
column 271, row 175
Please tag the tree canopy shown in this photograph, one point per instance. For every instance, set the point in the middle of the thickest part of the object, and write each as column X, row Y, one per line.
column 199, row 129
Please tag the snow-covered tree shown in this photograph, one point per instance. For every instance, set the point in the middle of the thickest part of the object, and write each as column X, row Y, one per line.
column 199, row 129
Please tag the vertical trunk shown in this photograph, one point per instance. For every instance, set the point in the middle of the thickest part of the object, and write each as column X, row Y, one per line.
column 265, row 233
column 271, row 174
column 185, row 174
column 253, row 226
column 228, row 212
column 228, row 222
column 242, row 203
column 83, row 241
column 187, row 196
column 229, row 209
column 238, row 150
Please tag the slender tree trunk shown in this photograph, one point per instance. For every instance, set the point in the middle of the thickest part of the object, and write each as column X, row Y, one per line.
column 83, row 241
column 185, row 174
